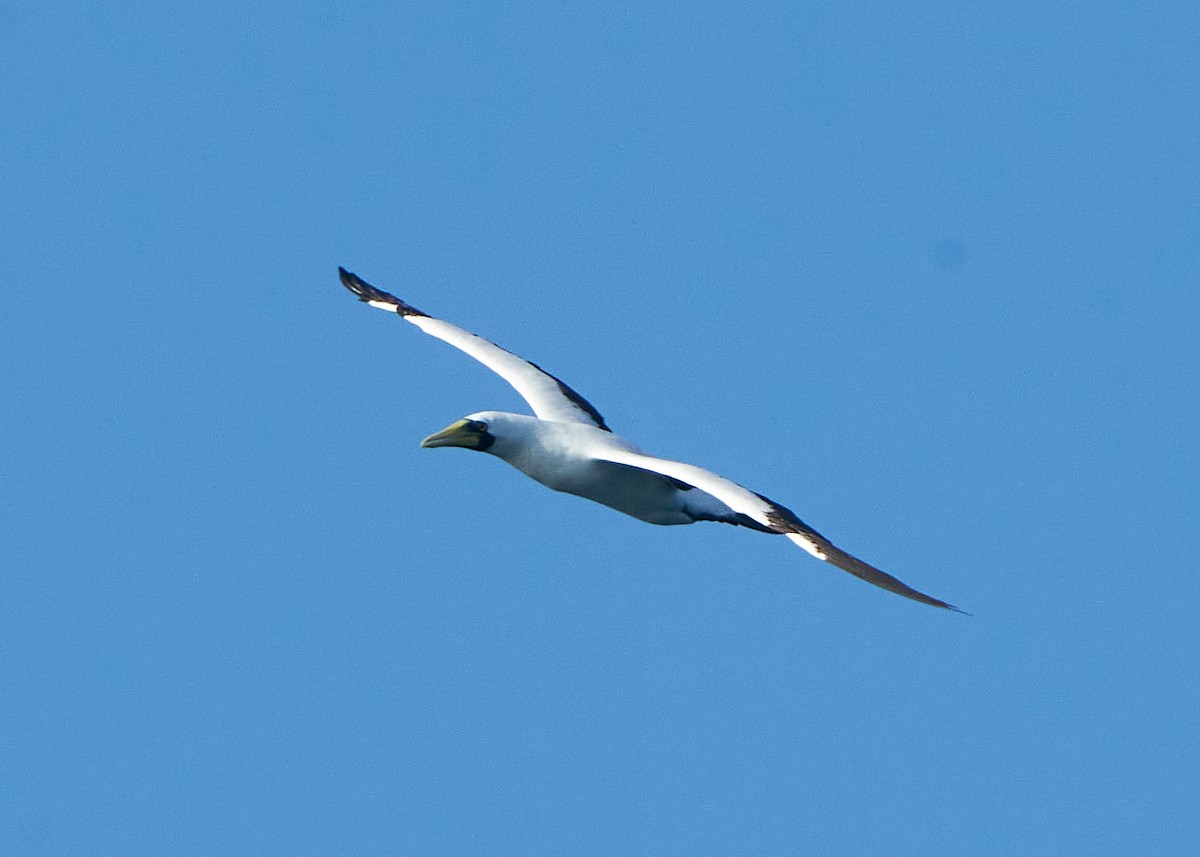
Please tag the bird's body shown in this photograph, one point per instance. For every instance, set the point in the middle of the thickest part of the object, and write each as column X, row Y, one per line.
column 572, row 458
column 568, row 447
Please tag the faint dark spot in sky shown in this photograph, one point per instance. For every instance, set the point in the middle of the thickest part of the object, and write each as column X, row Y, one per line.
column 950, row 254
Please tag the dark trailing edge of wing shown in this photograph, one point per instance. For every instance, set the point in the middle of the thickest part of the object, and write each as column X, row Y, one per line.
column 737, row 519
column 367, row 292
column 575, row 399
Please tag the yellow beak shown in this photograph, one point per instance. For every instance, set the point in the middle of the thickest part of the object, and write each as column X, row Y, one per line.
column 455, row 434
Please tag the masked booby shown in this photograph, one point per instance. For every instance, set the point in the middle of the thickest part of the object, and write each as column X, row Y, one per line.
column 568, row 447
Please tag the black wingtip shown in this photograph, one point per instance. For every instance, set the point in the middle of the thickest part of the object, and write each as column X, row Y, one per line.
column 909, row 592
column 837, row 557
column 924, row 599
column 367, row 293
column 354, row 283
column 934, row 602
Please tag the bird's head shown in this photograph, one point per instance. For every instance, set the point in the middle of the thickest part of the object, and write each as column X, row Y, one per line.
column 504, row 435
column 469, row 433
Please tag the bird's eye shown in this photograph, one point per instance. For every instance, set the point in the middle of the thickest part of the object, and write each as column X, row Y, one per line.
column 479, row 426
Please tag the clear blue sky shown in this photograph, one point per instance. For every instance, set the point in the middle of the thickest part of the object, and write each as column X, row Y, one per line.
column 926, row 273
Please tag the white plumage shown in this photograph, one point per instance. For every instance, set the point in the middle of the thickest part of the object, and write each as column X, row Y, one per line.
column 568, row 447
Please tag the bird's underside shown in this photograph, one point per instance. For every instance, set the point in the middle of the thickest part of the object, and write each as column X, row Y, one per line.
column 568, row 446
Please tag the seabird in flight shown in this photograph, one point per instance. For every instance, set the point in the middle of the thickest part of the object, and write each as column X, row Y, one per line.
column 568, row 447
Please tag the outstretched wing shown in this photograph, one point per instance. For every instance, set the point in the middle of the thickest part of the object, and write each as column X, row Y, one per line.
column 769, row 514
column 549, row 397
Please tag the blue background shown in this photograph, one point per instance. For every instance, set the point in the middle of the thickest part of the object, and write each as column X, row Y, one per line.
column 926, row 273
